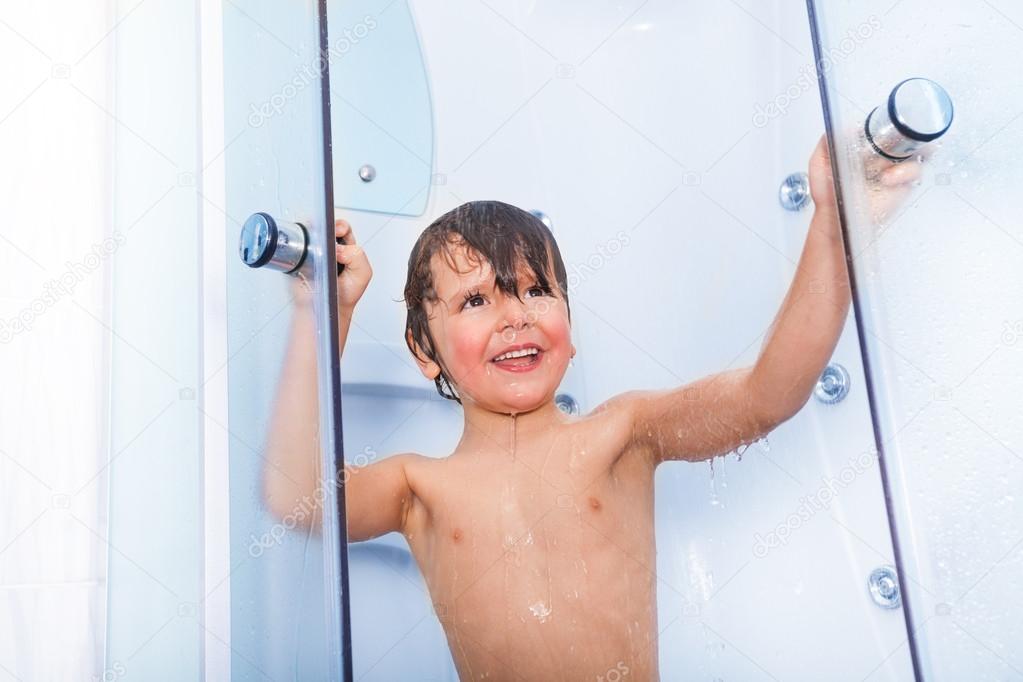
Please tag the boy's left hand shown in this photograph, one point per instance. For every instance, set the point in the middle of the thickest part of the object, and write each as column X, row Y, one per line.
column 822, row 184
column 888, row 182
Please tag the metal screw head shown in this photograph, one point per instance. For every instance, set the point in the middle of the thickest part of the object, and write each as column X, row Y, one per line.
column 794, row 193
column 884, row 587
column 833, row 385
column 566, row 403
column 367, row 173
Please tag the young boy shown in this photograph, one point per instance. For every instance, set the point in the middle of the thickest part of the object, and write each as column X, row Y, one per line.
column 535, row 536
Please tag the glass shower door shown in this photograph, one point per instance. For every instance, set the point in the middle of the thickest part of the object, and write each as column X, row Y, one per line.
column 223, row 563
column 937, row 290
column 287, row 558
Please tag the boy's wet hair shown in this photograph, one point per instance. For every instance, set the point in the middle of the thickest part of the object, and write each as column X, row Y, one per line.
column 490, row 231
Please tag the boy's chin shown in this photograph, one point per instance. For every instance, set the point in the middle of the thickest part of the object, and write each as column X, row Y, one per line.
column 527, row 403
column 516, row 404
column 522, row 408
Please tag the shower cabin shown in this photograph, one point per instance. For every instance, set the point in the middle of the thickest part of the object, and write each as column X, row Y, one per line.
column 874, row 536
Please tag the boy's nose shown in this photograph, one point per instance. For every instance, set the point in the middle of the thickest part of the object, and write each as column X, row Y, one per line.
column 515, row 314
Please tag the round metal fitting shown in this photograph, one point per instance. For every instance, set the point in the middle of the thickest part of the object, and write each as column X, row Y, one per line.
column 274, row 244
column 566, row 403
column 544, row 218
column 367, row 173
column 794, row 193
column 884, row 587
column 917, row 111
column 833, row 385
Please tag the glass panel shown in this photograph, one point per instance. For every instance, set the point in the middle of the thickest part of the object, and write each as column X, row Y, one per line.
column 216, row 571
column 286, row 575
column 937, row 290
column 155, row 466
column 380, row 108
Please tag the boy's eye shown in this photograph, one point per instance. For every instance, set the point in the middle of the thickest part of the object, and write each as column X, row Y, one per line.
column 474, row 296
column 470, row 297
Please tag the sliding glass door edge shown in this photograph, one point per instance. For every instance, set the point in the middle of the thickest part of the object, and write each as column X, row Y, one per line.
column 858, row 308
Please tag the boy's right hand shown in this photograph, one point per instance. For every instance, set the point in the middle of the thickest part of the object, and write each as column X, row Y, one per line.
column 357, row 272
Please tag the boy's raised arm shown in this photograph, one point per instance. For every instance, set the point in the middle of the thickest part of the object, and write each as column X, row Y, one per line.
column 697, row 421
column 719, row 413
column 377, row 495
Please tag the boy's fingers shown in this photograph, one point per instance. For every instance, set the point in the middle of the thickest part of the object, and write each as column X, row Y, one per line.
column 348, row 253
column 343, row 229
column 899, row 174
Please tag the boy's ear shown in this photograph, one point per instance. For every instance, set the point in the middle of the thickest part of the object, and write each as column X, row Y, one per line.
column 429, row 368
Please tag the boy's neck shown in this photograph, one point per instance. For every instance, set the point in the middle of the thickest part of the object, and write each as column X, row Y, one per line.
column 496, row 432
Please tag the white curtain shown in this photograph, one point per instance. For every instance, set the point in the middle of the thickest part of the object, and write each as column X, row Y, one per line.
column 56, row 247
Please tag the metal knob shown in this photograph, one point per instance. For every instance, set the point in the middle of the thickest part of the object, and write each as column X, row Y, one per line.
column 544, row 218
column 918, row 111
column 833, row 384
column 884, row 587
column 566, row 403
column 794, row 193
column 275, row 244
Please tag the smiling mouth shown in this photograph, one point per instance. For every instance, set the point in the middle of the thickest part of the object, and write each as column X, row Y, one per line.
column 519, row 361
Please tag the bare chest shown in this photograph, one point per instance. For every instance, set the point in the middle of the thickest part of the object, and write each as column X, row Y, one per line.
column 532, row 544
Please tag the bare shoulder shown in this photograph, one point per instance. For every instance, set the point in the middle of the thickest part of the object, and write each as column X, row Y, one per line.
column 611, row 423
column 413, row 461
column 417, row 468
column 618, row 405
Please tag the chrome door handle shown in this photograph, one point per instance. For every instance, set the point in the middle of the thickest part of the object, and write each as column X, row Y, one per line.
column 276, row 244
column 917, row 111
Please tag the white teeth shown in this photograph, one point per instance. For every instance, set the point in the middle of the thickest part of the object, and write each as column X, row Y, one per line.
column 517, row 354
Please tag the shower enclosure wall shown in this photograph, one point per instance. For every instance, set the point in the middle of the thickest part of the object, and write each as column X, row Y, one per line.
column 654, row 138
column 666, row 211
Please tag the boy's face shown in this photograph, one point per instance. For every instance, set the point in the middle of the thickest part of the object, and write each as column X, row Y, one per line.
column 473, row 322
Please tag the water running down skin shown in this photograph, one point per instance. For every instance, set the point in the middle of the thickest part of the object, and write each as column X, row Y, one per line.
column 536, row 535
